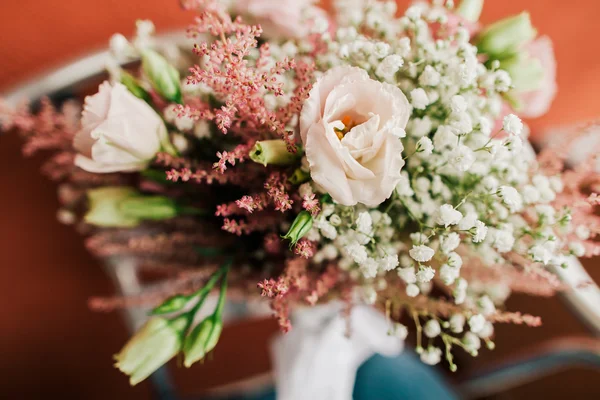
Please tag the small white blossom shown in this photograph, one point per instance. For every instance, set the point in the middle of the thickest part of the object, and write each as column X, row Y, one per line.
column 432, row 328
column 479, row 232
column 486, row 305
column 485, row 126
column 425, row 274
column 471, row 342
column 389, row 66
column 400, row 331
column 512, row 125
column 412, row 290
column 503, row 240
column 487, row 330
column 408, row 274
column 419, row 99
column 390, row 262
column 431, row 356
column 447, row 216
column 421, row 253
column 577, row 249
column 449, row 242
column 476, row 323
column 530, row 194
column 403, row 187
column 419, row 127
column 460, row 291
column 357, row 252
column 444, row 137
column 429, row 77
column 462, row 158
column 327, row 230
column 369, row 268
column 458, row 104
column 541, row 254
column 457, row 323
column 364, row 223
column 511, row 197
column 425, row 146
column 449, row 274
column 454, row 260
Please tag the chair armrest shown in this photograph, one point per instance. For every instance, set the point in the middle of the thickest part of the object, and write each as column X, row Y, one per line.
column 545, row 359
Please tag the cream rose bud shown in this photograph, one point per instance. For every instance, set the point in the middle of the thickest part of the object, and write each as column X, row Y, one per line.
column 350, row 127
column 120, row 132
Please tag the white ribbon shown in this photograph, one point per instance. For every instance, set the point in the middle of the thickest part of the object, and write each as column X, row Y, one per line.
column 317, row 361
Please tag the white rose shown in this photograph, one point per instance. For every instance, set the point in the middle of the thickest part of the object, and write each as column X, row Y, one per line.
column 350, row 127
column 120, row 132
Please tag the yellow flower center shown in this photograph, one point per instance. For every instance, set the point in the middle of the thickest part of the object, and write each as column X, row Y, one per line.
column 349, row 123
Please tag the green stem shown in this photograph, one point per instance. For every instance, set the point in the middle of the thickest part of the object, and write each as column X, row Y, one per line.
column 221, row 303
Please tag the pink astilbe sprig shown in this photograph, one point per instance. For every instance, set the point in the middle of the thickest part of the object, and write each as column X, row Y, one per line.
column 311, row 204
column 304, row 248
column 238, row 154
column 277, row 191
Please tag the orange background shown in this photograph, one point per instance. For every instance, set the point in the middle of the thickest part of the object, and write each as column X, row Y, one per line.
column 52, row 345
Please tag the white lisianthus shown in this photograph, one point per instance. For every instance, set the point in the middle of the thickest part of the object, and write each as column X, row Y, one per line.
column 351, row 145
column 120, row 132
column 421, row 253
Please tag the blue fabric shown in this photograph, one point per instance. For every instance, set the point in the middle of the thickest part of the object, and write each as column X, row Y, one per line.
column 398, row 378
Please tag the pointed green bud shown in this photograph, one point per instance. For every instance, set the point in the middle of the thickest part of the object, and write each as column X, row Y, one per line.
column 172, row 304
column 104, row 207
column 151, row 347
column 299, row 176
column 132, row 84
column 300, row 227
column 202, row 339
column 470, row 9
column 272, row 152
column 149, row 207
column 526, row 72
column 163, row 76
column 122, row 207
column 505, row 37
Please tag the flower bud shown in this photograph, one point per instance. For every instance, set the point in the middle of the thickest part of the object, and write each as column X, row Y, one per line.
column 300, row 227
column 149, row 207
column 163, row 76
column 153, row 345
column 172, row 304
column 132, row 84
column 505, row 37
column 202, row 339
column 115, row 206
column 299, row 176
column 470, row 9
column 526, row 72
column 272, row 152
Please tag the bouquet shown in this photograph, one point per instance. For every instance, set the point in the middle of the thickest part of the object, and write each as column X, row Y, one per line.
column 360, row 155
